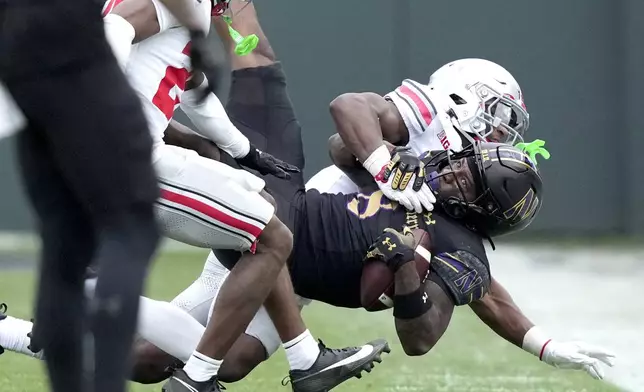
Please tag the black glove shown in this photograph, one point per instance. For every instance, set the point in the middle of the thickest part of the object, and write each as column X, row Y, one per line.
column 267, row 164
column 403, row 165
column 393, row 247
column 203, row 59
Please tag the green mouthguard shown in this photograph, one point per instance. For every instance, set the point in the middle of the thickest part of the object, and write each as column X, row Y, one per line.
column 244, row 45
column 533, row 149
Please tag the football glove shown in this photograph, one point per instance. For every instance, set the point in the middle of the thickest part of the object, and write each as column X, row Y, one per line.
column 393, row 247
column 394, row 173
column 568, row 355
column 402, row 167
column 577, row 355
column 265, row 164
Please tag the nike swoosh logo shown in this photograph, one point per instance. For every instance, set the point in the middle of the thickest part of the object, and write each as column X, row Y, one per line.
column 366, row 350
column 188, row 387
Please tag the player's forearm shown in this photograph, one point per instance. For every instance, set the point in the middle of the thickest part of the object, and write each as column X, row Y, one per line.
column 180, row 135
column 358, row 125
column 186, row 13
column 346, row 161
column 412, row 314
column 213, row 123
column 502, row 315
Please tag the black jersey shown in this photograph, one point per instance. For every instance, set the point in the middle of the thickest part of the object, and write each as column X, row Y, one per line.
column 335, row 230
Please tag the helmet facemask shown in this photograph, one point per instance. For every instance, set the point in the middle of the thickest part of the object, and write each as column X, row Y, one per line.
column 456, row 203
column 500, row 113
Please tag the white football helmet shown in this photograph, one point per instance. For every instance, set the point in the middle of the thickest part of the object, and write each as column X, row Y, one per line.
column 485, row 98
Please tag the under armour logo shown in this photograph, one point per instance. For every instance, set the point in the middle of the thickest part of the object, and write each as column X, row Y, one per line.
column 390, row 245
column 424, row 297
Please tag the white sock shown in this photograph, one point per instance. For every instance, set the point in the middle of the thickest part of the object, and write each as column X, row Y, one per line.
column 120, row 34
column 13, row 336
column 169, row 328
column 201, row 367
column 302, row 352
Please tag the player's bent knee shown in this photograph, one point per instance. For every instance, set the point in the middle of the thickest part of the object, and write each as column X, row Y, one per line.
column 276, row 238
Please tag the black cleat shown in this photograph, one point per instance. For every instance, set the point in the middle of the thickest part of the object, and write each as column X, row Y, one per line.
column 180, row 382
column 3, row 315
column 333, row 367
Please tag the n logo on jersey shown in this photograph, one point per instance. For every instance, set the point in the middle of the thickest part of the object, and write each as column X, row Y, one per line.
column 465, row 283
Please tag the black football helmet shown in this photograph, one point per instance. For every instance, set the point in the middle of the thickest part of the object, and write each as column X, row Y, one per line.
column 509, row 188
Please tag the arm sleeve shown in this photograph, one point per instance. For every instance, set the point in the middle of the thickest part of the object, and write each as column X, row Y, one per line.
column 212, row 122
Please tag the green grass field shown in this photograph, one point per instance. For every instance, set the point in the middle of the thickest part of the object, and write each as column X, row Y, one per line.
column 468, row 358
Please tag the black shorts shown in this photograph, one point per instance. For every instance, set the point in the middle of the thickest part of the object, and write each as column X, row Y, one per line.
column 260, row 107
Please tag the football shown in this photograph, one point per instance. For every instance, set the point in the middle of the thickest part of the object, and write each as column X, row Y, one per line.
column 377, row 282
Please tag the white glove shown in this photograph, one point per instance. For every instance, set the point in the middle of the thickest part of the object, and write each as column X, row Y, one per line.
column 567, row 355
column 409, row 198
column 398, row 179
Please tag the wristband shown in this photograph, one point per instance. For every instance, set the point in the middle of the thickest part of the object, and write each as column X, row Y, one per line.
column 412, row 305
column 535, row 341
column 379, row 158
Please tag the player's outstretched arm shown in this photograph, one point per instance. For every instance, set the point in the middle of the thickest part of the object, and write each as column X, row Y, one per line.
column 503, row 316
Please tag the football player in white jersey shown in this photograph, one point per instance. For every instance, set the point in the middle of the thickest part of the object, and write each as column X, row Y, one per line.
column 483, row 97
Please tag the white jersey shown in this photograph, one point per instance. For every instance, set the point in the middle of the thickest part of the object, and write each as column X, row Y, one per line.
column 159, row 67
column 417, row 105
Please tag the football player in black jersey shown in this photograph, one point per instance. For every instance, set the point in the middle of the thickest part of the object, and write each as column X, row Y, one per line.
column 331, row 231
column 487, row 190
